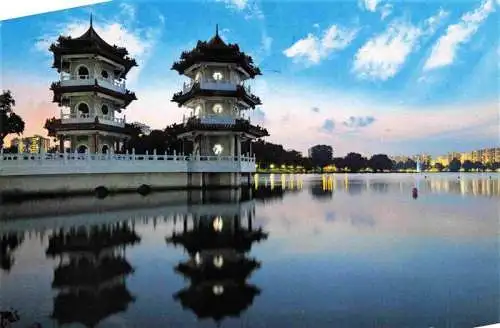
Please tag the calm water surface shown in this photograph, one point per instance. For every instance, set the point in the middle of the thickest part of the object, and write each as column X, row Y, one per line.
column 301, row 251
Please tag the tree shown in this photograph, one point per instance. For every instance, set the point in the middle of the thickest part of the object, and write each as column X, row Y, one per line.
column 439, row 167
column 380, row 162
column 355, row 162
column 454, row 165
column 10, row 122
column 467, row 165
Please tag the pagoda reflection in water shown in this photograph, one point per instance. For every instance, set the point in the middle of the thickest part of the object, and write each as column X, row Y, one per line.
column 218, row 267
column 8, row 244
column 91, row 272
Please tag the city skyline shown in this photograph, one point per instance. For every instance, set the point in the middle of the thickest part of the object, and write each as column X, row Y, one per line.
column 393, row 78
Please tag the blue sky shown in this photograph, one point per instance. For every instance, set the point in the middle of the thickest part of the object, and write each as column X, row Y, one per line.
column 398, row 77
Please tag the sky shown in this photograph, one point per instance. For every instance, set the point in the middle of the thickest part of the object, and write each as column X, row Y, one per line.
column 372, row 76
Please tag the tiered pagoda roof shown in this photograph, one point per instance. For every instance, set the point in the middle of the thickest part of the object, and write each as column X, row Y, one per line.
column 92, row 240
column 54, row 125
column 241, row 93
column 201, row 299
column 240, row 125
column 216, row 50
column 60, row 89
column 90, row 42
column 89, row 307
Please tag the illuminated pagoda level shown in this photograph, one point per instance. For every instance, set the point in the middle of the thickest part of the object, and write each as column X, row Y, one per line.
column 91, row 93
column 217, row 99
column 91, row 273
column 218, row 267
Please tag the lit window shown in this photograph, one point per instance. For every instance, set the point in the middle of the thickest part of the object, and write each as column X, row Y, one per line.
column 217, row 108
column 197, row 110
column 218, row 261
column 197, row 77
column 218, row 289
column 217, row 76
column 218, row 149
column 218, row 224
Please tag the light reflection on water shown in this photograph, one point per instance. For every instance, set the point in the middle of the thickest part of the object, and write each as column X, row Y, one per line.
column 300, row 251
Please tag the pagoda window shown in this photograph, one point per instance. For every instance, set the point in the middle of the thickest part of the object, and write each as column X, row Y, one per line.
column 83, row 72
column 104, row 74
column 218, row 149
column 82, row 149
column 105, row 149
column 104, row 109
column 197, row 110
column 197, row 77
column 218, row 76
column 217, row 108
column 83, row 108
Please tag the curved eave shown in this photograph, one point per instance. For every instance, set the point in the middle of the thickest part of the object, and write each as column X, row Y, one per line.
column 59, row 90
column 182, row 98
column 66, row 46
column 90, row 127
column 252, row 130
column 184, row 64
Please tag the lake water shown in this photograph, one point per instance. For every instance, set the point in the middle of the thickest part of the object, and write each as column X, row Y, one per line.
column 296, row 251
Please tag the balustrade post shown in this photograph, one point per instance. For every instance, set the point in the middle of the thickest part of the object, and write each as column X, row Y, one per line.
column 133, row 154
column 128, row 156
column 154, row 154
column 175, row 155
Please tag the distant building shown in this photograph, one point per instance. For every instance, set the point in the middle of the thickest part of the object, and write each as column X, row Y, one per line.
column 35, row 144
column 321, row 155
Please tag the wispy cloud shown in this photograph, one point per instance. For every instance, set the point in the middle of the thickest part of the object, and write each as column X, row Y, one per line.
column 444, row 51
column 315, row 109
column 383, row 56
column 249, row 9
column 358, row 122
column 370, row 5
column 328, row 126
column 312, row 49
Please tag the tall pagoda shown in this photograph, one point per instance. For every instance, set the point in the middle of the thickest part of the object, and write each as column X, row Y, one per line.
column 217, row 99
column 91, row 92
column 91, row 272
column 218, row 267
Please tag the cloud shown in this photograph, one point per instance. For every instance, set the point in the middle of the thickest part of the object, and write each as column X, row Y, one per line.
column 328, row 126
column 315, row 109
column 358, row 122
column 313, row 48
column 139, row 42
column 370, row 5
column 385, row 11
column 258, row 116
column 444, row 51
column 249, row 9
column 383, row 56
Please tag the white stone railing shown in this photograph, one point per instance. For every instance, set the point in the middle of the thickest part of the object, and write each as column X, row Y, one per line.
column 76, row 163
column 87, row 118
column 74, row 80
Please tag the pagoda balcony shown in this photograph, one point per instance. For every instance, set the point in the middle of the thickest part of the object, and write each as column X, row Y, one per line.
column 217, row 123
column 79, row 80
column 87, row 118
column 223, row 88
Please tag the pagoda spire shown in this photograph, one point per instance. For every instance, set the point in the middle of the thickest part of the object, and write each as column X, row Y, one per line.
column 216, row 29
column 90, row 19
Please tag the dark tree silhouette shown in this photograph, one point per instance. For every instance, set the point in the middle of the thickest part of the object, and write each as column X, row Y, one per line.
column 467, row 165
column 10, row 122
column 380, row 162
column 454, row 165
column 355, row 162
column 439, row 167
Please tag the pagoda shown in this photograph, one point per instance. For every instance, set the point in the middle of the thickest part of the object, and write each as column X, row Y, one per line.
column 217, row 99
column 91, row 92
column 218, row 267
column 91, row 272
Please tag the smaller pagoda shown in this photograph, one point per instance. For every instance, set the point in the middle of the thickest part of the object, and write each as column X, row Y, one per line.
column 91, row 273
column 218, row 267
column 91, row 92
